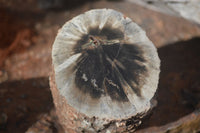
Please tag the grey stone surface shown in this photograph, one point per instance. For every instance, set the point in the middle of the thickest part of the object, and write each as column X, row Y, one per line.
column 188, row 9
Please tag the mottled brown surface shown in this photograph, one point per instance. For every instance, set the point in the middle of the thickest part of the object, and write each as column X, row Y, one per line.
column 178, row 93
column 68, row 116
column 40, row 5
column 46, row 123
column 22, row 102
column 187, row 124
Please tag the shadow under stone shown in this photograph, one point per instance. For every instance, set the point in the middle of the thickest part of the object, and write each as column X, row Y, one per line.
column 22, row 102
column 179, row 86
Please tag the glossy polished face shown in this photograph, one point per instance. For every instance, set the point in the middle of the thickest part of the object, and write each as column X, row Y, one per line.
column 107, row 65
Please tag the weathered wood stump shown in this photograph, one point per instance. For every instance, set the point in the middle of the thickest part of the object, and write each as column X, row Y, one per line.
column 105, row 73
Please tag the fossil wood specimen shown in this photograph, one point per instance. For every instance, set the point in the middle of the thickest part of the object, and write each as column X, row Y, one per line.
column 105, row 73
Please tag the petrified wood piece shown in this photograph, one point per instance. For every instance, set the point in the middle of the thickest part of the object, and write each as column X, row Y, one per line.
column 105, row 73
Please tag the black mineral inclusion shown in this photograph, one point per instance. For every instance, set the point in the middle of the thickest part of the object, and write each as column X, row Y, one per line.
column 104, row 69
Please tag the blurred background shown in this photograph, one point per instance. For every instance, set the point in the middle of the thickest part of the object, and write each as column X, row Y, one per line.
column 27, row 32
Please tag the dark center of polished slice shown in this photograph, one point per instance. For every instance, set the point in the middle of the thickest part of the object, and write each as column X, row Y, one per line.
column 104, row 69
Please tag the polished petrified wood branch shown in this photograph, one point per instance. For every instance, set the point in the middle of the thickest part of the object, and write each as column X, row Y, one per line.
column 105, row 73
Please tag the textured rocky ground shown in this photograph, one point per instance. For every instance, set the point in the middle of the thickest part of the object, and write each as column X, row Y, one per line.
column 26, row 38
